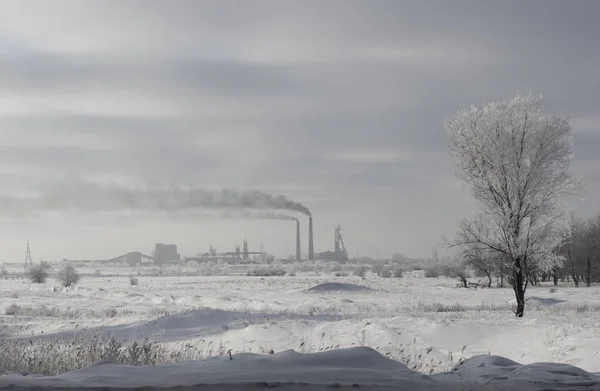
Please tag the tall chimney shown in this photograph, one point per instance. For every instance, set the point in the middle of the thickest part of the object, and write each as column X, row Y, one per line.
column 311, row 251
column 298, row 240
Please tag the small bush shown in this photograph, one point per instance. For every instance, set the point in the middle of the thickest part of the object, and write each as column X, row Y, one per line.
column 553, row 289
column 133, row 280
column 450, row 271
column 398, row 273
column 376, row 269
column 385, row 273
column 361, row 271
column 68, row 276
column 97, row 273
column 4, row 271
column 11, row 309
column 431, row 273
column 38, row 274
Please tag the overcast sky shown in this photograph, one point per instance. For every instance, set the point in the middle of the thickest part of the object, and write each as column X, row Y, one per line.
column 338, row 105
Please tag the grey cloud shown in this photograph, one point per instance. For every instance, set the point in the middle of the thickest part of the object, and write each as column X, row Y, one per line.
column 183, row 77
column 585, row 147
column 273, row 94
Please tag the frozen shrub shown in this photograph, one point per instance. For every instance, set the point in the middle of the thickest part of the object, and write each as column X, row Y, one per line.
column 376, row 269
column 12, row 309
column 278, row 272
column 38, row 274
column 398, row 273
column 361, row 271
column 4, row 271
column 307, row 267
column 451, row 271
column 385, row 273
column 68, row 276
column 133, row 280
column 431, row 273
column 97, row 273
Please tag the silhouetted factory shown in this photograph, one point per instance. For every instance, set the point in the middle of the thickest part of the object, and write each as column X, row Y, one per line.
column 165, row 254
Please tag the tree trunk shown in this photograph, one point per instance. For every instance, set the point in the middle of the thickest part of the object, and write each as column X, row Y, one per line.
column 554, row 277
column 573, row 274
column 518, row 288
column 489, row 276
column 588, row 272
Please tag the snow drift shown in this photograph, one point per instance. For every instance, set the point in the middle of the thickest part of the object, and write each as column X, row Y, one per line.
column 356, row 367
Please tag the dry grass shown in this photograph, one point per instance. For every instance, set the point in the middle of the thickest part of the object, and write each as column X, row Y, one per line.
column 29, row 356
column 45, row 311
column 54, row 357
column 457, row 307
column 583, row 308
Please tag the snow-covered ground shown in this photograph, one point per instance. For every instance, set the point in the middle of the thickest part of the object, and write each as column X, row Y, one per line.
column 428, row 320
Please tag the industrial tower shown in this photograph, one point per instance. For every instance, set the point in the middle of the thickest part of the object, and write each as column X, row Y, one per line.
column 245, row 252
column 340, row 249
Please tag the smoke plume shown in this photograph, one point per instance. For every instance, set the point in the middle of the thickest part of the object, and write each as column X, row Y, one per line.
column 88, row 196
column 273, row 216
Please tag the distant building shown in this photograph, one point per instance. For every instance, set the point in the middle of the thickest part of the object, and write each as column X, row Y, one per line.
column 165, row 253
column 133, row 258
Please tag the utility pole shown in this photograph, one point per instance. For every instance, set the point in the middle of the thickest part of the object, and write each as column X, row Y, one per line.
column 28, row 258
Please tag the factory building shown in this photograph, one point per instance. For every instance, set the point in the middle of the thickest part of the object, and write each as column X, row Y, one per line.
column 165, row 253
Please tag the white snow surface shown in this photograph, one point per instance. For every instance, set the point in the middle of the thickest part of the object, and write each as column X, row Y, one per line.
column 361, row 368
column 255, row 315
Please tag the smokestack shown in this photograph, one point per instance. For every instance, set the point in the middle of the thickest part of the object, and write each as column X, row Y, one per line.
column 311, row 251
column 298, row 240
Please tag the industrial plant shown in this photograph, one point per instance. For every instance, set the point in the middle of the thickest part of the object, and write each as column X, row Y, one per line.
column 165, row 254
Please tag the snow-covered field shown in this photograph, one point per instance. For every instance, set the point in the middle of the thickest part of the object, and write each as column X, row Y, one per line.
column 428, row 323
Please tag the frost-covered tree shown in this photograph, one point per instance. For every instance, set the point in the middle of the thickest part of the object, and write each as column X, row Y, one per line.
column 592, row 245
column 38, row 274
column 571, row 248
column 582, row 250
column 484, row 262
column 68, row 276
column 516, row 161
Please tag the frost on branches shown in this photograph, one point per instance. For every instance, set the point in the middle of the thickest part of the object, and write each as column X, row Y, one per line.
column 516, row 161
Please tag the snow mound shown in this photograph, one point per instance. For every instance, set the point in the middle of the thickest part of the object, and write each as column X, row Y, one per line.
column 344, row 367
column 357, row 368
column 199, row 323
column 503, row 373
column 338, row 287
